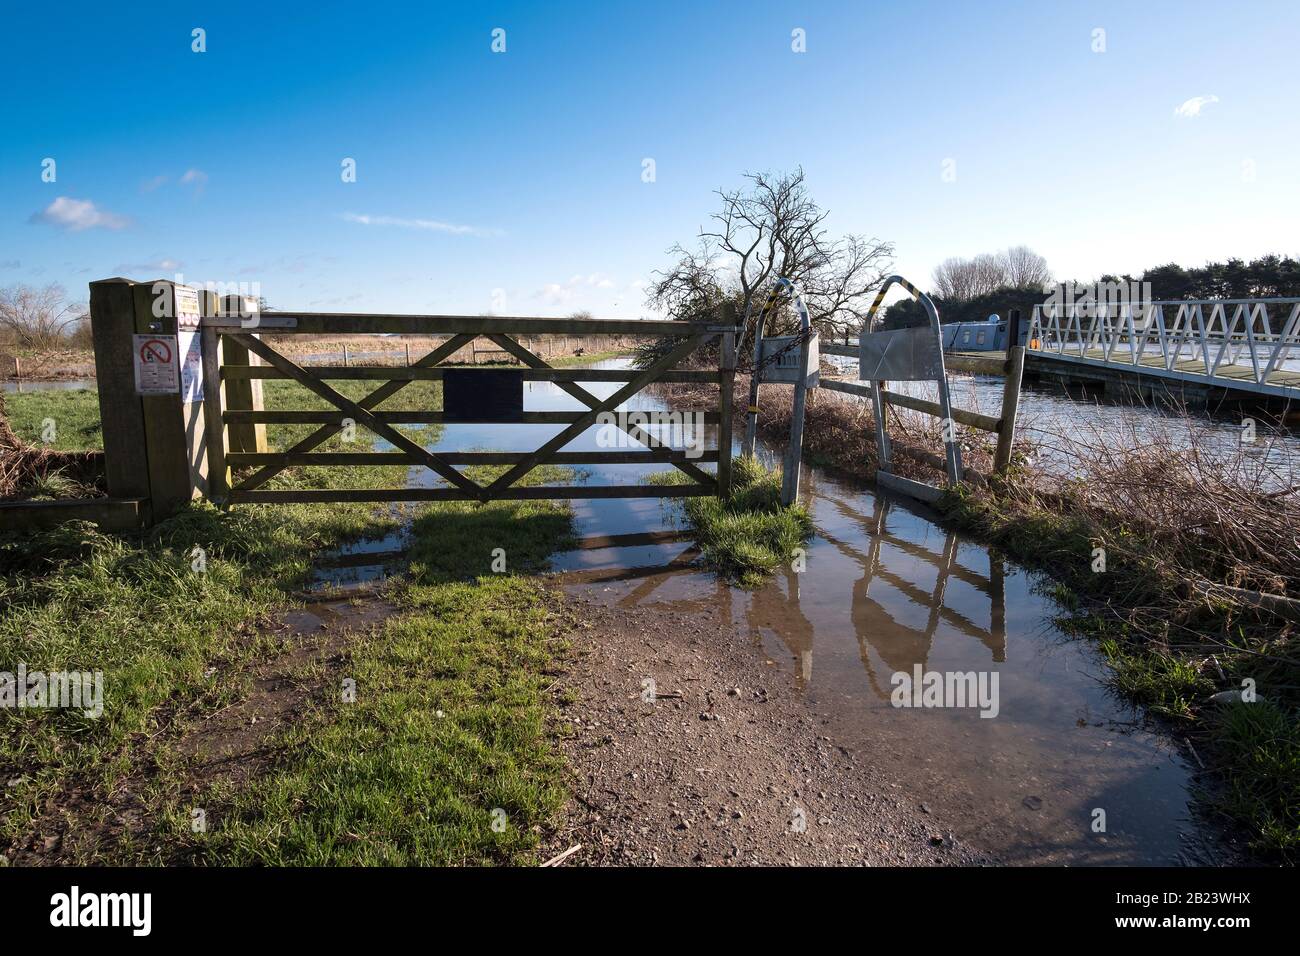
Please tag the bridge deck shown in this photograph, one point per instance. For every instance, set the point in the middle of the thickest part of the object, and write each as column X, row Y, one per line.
column 1281, row 382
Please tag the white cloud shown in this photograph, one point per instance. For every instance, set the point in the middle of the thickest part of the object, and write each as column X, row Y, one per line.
column 554, row 294
column 1190, row 109
column 196, row 178
column 78, row 214
column 558, row 293
column 156, row 267
column 149, row 185
column 430, row 225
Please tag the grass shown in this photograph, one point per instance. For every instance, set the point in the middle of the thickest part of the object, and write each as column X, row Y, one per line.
column 71, row 414
column 383, row 780
column 747, row 536
column 450, row 725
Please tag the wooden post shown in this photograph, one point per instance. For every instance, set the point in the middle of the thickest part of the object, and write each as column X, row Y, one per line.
column 751, row 410
column 725, row 388
column 1010, row 404
column 244, row 394
column 794, row 451
column 173, row 426
column 883, row 462
column 112, row 324
column 214, row 433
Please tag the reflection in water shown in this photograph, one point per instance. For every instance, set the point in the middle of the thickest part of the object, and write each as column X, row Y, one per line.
column 779, row 601
column 901, row 647
column 886, row 589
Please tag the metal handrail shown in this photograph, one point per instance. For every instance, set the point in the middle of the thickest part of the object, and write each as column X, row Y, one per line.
column 952, row 453
column 1125, row 333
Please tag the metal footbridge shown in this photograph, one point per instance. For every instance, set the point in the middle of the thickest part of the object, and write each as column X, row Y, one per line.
column 1238, row 345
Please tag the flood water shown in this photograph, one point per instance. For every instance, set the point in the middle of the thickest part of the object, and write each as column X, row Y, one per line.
column 887, row 589
column 1058, row 423
column 70, row 385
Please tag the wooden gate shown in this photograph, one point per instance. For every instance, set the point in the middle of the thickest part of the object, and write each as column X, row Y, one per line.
column 461, row 331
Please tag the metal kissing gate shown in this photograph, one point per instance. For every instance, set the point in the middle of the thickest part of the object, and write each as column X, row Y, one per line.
column 910, row 354
column 470, row 395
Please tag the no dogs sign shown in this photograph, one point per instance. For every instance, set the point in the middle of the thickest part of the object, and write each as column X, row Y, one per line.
column 156, row 365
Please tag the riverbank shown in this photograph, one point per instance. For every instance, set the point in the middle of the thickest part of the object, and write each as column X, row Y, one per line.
column 1019, row 789
column 1181, row 564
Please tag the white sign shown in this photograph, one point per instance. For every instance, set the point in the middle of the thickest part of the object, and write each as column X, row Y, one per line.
column 786, row 368
column 187, row 306
column 191, row 365
column 156, row 365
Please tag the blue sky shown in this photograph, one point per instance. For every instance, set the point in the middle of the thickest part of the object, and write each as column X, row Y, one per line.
column 512, row 182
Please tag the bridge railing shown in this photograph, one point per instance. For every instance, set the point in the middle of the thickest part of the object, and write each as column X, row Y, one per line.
column 1210, row 337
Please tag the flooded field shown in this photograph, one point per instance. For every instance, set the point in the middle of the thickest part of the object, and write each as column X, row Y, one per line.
column 888, row 590
column 70, row 385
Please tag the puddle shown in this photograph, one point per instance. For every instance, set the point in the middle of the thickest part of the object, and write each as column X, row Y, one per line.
column 358, row 564
column 887, row 590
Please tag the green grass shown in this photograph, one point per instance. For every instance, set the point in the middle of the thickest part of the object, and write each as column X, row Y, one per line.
column 450, row 732
column 1260, row 745
column 749, row 535
column 74, row 414
column 380, row 781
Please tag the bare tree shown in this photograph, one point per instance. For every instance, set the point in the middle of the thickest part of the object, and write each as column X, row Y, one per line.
column 1025, row 268
column 954, row 279
column 768, row 229
column 1019, row 267
column 39, row 319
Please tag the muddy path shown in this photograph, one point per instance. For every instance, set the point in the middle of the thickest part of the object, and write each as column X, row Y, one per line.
column 1060, row 772
column 689, row 749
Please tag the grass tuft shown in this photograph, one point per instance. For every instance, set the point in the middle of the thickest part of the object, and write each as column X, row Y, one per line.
column 749, row 535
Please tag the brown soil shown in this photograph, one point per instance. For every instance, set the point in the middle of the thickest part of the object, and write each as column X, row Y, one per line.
column 719, row 768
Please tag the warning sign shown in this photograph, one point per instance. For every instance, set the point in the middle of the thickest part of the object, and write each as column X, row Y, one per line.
column 191, row 366
column 156, row 366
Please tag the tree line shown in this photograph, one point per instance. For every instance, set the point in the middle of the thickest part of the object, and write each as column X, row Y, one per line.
column 970, row 290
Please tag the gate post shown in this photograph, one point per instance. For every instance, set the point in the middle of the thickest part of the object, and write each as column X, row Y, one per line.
column 112, row 325
column 243, row 394
column 726, row 385
column 153, row 434
column 794, row 451
column 1015, row 369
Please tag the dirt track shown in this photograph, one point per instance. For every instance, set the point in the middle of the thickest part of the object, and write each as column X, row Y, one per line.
column 725, row 767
